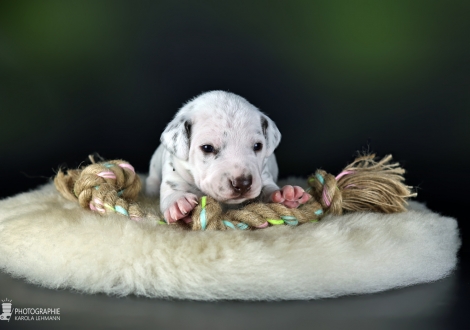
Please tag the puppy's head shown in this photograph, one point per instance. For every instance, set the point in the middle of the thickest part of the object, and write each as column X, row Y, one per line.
column 225, row 141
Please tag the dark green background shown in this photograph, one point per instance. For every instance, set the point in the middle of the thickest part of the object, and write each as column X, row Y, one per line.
column 78, row 77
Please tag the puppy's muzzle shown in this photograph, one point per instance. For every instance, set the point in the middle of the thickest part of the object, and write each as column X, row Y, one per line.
column 241, row 184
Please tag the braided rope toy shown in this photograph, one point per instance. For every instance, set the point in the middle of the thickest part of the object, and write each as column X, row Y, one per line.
column 107, row 187
column 363, row 186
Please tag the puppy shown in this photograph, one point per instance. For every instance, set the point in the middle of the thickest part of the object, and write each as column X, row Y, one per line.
column 220, row 145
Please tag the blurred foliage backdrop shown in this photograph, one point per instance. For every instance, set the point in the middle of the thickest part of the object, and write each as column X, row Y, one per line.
column 78, row 77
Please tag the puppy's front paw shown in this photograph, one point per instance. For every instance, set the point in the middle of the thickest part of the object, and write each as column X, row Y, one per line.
column 290, row 196
column 181, row 208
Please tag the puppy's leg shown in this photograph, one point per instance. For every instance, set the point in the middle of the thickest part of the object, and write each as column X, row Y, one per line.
column 154, row 180
column 177, row 206
column 177, row 196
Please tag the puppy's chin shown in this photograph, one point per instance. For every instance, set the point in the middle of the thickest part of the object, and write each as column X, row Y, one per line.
column 234, row 200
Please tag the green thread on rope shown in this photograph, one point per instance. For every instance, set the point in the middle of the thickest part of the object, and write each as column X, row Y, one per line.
column 203, row 213
column 320, row 178
column 275, row 222
column 228, row 224
column 288, row 217
column 121, row 210
column 203, row 219
column 290, row 220
column 109, row 207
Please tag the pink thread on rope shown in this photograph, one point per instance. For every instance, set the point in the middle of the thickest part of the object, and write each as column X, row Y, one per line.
column 128, row 166
column 339, row 176
column 96, row 209
column 264, row 225
column 326, row 197
column 107, row 175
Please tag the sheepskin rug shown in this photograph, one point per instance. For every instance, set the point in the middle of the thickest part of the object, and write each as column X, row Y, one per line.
column 51, row 242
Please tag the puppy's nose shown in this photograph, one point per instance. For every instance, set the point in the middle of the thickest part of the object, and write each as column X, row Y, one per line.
column 242, row 184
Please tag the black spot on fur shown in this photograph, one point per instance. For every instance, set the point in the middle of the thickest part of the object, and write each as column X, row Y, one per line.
column 264, row 126
column 190, row 173
column 187, row 127
column 173, row 185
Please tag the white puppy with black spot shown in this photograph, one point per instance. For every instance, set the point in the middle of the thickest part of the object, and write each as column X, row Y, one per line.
column 220, row 145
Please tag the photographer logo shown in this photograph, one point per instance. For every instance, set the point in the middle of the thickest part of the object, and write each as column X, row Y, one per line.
column 6, row 310
column 28, row 314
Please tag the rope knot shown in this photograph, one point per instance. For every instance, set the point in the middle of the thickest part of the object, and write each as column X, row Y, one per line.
column 107, row 187
column 365, row 185
column 324, row 189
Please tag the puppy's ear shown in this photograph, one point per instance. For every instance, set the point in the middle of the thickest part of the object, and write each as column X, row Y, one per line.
column 271, row 133
column 176, row 137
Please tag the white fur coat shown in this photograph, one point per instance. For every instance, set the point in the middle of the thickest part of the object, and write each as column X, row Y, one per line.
column 51, row 242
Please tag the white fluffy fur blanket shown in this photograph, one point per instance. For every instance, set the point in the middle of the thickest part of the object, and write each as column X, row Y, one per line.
column 52, row 242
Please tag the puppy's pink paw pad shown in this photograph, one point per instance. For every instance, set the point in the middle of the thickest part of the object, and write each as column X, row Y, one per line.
column 181, row 208
column 290, row 196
